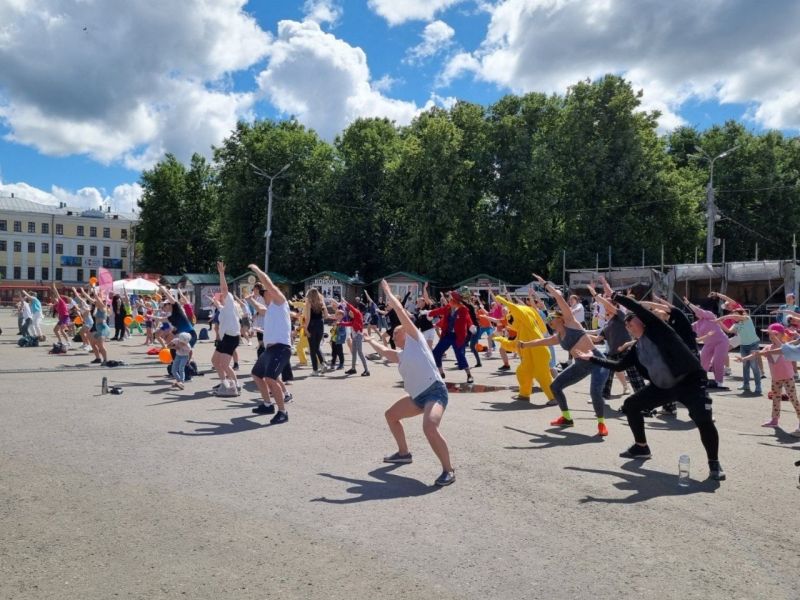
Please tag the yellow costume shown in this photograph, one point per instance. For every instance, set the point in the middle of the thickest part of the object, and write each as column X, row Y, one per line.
column 534, row 362
column 302, row 341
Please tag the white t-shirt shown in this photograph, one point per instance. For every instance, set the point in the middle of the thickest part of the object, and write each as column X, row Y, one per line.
column 26, row 310
column 579, row 312
column 229, row 317
column 417, row 367
column 278, row 324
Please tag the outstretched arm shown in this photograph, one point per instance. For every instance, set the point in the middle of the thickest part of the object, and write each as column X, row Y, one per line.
column 611, row 310
column 563, row 305
column 385, row 351
column 402, row 315
column 268, row 284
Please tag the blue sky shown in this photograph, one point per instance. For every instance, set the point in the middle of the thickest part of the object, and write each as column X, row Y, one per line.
column 117, row 85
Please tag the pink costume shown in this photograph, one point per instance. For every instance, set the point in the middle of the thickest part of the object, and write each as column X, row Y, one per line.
column 715, row 346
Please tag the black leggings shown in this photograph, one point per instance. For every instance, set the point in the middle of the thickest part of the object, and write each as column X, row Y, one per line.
column 315, row 330
column 119, row 325
column 691, row 393
column 337, row 351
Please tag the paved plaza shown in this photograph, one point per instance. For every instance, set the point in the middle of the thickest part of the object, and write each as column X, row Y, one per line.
column 163, row 494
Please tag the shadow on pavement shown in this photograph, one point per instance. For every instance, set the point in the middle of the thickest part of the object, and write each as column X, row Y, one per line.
column 511, row 405
column 670, row 423
column 554, row 438
column 646, row 484
column 235, row 425
column 385, row 485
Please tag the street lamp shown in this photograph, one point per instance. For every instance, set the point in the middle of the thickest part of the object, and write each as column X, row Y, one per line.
column 268, row 231
column 711, row 208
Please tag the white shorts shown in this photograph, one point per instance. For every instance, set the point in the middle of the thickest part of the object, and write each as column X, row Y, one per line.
column 429, row 335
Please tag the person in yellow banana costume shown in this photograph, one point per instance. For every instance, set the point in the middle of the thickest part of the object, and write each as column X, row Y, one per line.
column 302, row 340
column 534, row 363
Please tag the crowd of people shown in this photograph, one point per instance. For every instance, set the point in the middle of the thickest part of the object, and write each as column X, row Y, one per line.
column 659, row 355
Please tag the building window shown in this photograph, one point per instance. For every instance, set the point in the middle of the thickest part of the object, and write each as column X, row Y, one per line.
column 31, row 227
column 80, row 230
column 31, row 273
column 92, row 250
column 106, row 232
column 31, row 247
column 45, row 228
column 80, row 249
column 80, row 275
column 124, row 234
column 123, row 252
column 59, row 273
column 17, row 229
column 59, row 229
column 106, row 251
column 92, row 231
column 45, row 248
column 3, row 225
column 17, row 273
column 59, row 248
column 3, row 247
column 17, row 246
column 2, row 272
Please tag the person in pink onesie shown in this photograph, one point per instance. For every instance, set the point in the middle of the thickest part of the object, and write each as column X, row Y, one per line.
column 714, row 340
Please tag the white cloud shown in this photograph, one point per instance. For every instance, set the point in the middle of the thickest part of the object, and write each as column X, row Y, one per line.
column 324, row 81
column 724, row 50
column 397, row 12
column 385, row 83
column 124, row 80
column 122, row 199
column 322, row 11
column 436, row 36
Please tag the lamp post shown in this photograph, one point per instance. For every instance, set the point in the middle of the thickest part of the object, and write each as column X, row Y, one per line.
column 268, row 231
column 711, row 209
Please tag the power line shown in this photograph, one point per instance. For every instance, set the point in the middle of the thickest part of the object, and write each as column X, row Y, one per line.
column 795, row 186
column 753, row 231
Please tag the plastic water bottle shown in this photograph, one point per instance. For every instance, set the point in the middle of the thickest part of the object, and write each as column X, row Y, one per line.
column 683, row 471
column 104, row 385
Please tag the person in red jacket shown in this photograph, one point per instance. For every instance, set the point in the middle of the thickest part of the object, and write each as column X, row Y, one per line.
column 455, row 324
column 356, row 321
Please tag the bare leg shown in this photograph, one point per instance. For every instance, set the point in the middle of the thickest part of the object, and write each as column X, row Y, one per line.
column 430, row 426
column 402, row 409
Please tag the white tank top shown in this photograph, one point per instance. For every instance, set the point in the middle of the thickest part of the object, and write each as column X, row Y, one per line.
column 417, row 367
column 277, row 324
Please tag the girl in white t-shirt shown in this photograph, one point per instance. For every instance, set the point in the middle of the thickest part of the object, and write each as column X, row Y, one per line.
column 427, row 393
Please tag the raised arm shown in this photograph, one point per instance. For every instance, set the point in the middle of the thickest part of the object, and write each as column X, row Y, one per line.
column 400, row 311
column 611, row 310
column 385, row 351
column 425, row 295
column 273, row 289
column 563, row 305
column 645, row 316
column 223, row 284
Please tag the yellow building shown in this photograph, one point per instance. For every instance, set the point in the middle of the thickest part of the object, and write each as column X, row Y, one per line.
column 41, row 244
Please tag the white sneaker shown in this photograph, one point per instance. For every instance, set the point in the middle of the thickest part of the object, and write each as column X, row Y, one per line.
column 728, row 372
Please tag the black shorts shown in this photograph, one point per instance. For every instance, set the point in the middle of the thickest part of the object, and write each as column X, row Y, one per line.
column 228, row 344
column 272, row 361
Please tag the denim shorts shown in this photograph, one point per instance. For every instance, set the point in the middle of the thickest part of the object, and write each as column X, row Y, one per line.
column 437, row 392
column 272, row 361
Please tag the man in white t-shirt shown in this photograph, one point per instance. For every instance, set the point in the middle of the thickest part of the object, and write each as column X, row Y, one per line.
column 427, row 393
column 278, row 349
column 229, row 337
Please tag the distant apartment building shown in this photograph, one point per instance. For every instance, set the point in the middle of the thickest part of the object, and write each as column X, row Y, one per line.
column 41, row 244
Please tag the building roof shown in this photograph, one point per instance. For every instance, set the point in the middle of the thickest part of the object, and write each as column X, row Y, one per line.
column 407, row 274
column 16, row 204
column 469, row 280
column 355, row 280
column 276, row 278
column 193, row 278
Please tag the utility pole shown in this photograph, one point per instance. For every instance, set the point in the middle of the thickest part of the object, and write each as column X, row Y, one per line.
column 711, row 208
column 268, row 231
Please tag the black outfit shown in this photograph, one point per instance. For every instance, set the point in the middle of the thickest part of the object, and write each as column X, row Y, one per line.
column 683, row 365
column 119, row 316
column 473, row 337
column 315, row 331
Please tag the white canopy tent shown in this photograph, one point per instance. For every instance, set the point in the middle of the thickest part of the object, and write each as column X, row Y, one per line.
column 138, row 285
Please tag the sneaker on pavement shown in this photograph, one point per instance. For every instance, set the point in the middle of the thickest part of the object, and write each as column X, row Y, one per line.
column 280, row 417
column 264, row 409
column 446, row 478
column 470, row 379
column 796, row 432
column 602, row 430
column 552, row 402
column 771, row 423
column 287, row 397
column 637, row 451
column 504, row 368
column 715, row 471
column 398, row 459
column 562, row 422
column 350, row 372
column 365, row 374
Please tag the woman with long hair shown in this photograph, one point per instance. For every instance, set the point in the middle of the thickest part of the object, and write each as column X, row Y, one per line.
column 314, row 314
